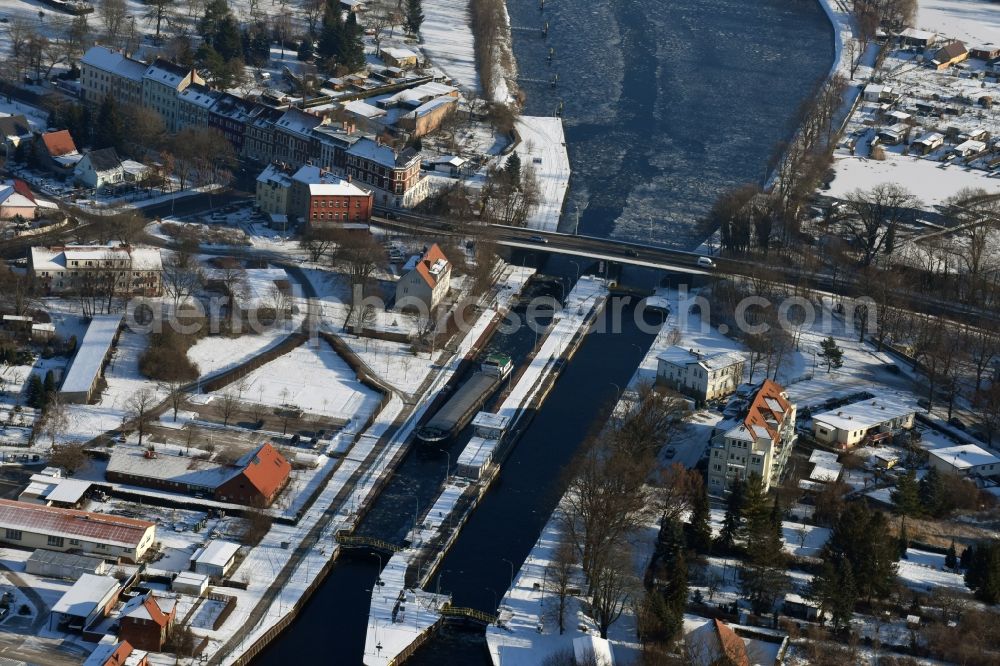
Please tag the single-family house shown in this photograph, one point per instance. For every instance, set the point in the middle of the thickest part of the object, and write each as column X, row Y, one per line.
column 100, row 168
column 399, row 57
column 703, row 376
column 426, row 282
column 17, row 201
column 928, row 143
column 965, row 460
column 968, row 148
column 918, row 38
column 14, row 130
column 867, row 421
column 876, row 92
column 147, row 620
column 112, row 652
column 58, row 151
column 948, row 55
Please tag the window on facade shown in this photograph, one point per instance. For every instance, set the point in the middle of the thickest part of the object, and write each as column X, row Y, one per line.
column 55, row 541
column 14, row 535
column 74, row 542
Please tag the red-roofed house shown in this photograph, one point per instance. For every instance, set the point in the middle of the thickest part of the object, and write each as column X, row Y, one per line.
column 111, row 653
column 715, row 643
column 263, row 474
column 58, row 151
column 146, row 621
column 426, row 282
column 759, row 444
column 16, row 200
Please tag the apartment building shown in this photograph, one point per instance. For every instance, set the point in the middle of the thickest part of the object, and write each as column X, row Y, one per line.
column 72, row 268
column 394, row 175
column 105, row 71
column 758, row 444
column 162, row 82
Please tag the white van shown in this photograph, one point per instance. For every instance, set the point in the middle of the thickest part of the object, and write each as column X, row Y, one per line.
column 706, row 262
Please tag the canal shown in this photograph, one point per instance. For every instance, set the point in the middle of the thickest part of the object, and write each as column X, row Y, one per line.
column 673, row 102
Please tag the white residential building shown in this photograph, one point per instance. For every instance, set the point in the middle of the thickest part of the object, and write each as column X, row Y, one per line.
column 701, row 376
column 76, row 268
column 965, row 460
column 273, row 190
column 100, row 168
column 426, row 282
column 758, row 445
column 866, row 421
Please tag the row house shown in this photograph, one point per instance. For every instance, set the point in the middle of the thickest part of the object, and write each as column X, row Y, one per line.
column 258, row 141
column 293, row 141
column 230, row 115
column 334, row 142
column 161, row 84
column 72, row 268
column 758, row 445
column 394, row 175
column 105, row 71
column 194, row 106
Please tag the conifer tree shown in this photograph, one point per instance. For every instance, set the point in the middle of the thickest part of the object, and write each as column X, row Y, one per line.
column 731, row 522
column 906, row 497
column 832, row 355
column 983, row 574
column 109, row 129
column 699, row 533
column 331, row 34
column 414, row 16
column 951, row 557
column 903, row 541
column 353, row 48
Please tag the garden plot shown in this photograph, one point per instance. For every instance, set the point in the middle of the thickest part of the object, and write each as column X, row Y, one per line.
column 313, row 378
column 925, row 571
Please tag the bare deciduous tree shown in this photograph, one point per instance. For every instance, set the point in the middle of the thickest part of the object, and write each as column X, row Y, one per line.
column 138, row 410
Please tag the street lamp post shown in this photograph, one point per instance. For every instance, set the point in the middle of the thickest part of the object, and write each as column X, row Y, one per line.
column 511, row 572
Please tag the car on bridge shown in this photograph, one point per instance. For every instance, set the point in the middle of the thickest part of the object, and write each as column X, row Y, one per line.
column 706, row 262
column 538, row 239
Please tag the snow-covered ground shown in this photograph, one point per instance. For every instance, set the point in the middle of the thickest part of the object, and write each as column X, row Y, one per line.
column 932, row 182
column 976, row 22
column 314, row 378
column 543, row 147
column 446, row 37
column 925, row 571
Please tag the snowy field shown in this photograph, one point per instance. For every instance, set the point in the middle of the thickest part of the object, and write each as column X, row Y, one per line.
column 543, row 147
column 924, row 571
column 931, row 181
column 314, row 379
column 447, row 40
column 974, row 21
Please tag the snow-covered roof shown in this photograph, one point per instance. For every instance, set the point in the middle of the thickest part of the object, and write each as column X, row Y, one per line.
column 913, row 33
column 364, row 109
column 820, row 455
column 325, row 183
column 825, row 471
column 420, row 93
column 374, row 151
column 682, row 357
column 476, row 453
column 113, row 62
column 864, row 415
column 166, row 73
column 931, row 139
column 55, row 258
column 87, row 593
column 970, row 147
column 435, row 103
column 199, row 95
column 298, row 122
column 90, row 355
column 965, row 456
column 68, row 491
column 193, row 472
column 398, row 53
column 490, row 420
column 216, row 553
column 274, row 174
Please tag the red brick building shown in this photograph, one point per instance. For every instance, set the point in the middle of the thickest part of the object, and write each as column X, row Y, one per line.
column 263, row 474
column 327, row 201
column 116, row 654
column 146, row 622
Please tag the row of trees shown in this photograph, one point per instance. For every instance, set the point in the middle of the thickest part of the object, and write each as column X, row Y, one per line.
column 936, row 494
